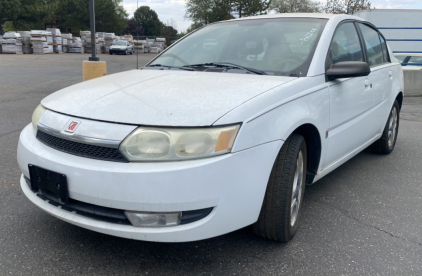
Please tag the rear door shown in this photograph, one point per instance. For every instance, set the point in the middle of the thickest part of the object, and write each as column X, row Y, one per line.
column 381, row 76
column 350, row 98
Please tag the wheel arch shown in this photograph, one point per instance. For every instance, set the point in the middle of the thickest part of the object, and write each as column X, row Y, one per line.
column 314, row 147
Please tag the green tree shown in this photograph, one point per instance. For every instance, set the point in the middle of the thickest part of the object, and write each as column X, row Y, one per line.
column 34, row 14
column 203, row 12
column 9, row 11
column 149, row 21
column 134, row 28
column 110, row 16
column 220, row 11
column 169, row 31
column 346, row 6
column 194, row 26
column 290, row 6
column 27, row 14
column 244, row 8
column 198, row 11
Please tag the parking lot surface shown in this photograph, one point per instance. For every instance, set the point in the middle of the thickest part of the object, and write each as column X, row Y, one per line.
column 365, row 218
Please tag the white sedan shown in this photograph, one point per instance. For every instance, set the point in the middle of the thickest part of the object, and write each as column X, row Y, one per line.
column 222, row 130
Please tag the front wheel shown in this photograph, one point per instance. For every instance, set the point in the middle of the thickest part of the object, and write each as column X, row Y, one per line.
column 282, row 206
column 386, row 143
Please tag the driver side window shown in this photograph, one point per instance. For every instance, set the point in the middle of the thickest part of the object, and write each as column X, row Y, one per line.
column 345, row 45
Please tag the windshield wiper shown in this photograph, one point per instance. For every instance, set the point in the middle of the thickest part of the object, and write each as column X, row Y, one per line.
column 169, row 66
column 227, row 65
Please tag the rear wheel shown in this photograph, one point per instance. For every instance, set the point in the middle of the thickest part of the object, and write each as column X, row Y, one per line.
column 386, row 143
column 282, row 206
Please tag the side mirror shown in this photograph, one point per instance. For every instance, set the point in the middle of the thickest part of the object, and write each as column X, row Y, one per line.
column 348, row 69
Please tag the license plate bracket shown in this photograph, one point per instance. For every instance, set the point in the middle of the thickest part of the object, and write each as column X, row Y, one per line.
column 52, row 185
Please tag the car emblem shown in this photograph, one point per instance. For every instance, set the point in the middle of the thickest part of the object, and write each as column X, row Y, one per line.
column 72, row 126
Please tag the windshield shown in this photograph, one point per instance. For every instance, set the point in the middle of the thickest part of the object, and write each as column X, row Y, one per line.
column 279, row 46
column 120, row 43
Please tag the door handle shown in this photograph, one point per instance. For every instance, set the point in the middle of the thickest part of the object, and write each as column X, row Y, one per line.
column 368, row 83
column 390, row 73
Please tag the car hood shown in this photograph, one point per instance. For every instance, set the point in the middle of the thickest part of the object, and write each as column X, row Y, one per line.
column 160, row 97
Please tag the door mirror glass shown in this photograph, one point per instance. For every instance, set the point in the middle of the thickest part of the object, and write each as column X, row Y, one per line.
column 348, row 69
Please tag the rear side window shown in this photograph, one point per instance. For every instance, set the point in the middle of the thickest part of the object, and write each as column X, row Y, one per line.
column 373, row 45
column 346, row 45
column 384, row 50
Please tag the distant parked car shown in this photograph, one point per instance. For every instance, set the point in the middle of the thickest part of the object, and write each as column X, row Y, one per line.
column 121, row 47
column 409, row 59
column 222, row 130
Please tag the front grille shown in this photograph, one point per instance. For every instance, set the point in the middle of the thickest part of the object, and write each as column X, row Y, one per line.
column 79, row 149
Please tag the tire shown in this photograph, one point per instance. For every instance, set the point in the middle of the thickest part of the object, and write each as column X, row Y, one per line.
column 111, row 54
column 277, row 220
column 131, row 53
column 126, row 53
column 386, row 143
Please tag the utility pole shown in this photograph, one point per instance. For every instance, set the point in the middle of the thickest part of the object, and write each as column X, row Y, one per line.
column 92, row 19
column 93, row 68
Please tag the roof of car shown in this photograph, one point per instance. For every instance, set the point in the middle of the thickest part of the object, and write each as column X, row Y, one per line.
column 277, row 15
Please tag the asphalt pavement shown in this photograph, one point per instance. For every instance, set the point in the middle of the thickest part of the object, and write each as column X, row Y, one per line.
column 365, row 218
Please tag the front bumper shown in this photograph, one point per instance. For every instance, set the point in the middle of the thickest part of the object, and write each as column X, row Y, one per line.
column 118, row 51
column 233, row 184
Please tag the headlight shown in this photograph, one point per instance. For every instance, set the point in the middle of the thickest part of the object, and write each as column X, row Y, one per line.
column 168, row 144
column 36, row 116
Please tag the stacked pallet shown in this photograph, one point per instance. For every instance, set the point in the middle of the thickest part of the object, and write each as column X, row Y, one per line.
column 101, row 41
column 86, row 38
column 138, row 46
column 76, row 46
column 64, row 45
column 66, row 39
column 11, row 43
column 26, row 41
column 38, row 40
column 109, row 39
column 49, row 36
column 147, row 46
column 157, row 45
column 57, row 40
column 128, row 38
column 160, row 41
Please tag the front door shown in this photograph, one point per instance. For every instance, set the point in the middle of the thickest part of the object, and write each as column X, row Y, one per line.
column 351, row 99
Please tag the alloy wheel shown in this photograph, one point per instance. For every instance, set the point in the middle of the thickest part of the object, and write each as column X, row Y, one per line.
column 392, row 127
column 296, row 190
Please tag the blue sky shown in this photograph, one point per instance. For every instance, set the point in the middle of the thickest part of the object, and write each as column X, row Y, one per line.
column 175, row 9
